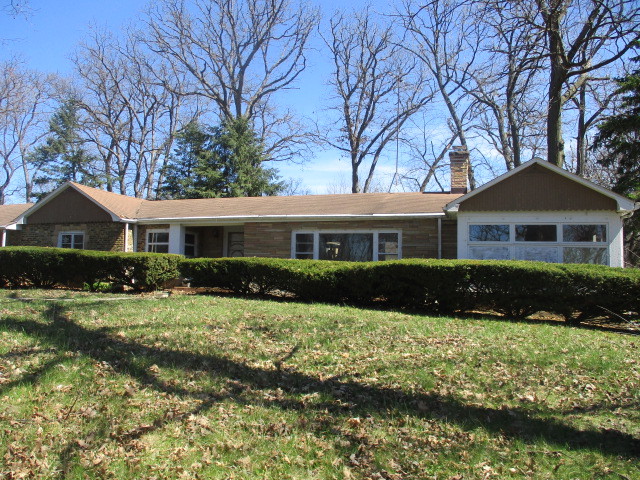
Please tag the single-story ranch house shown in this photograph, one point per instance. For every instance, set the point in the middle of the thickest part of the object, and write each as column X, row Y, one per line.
column 534, row 212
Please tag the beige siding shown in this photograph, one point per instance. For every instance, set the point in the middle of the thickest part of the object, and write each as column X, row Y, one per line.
column 537, row 189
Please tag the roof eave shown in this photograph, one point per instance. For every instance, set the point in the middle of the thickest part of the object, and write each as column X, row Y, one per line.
column 285, row 218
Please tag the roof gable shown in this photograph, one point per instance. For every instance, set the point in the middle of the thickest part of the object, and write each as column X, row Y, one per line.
column 73, row 202
column 69, row 206
column 10, row 213
column 540, row 186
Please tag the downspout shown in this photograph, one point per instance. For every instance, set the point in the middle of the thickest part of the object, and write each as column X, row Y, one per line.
column 439, row 238
column 4, row 238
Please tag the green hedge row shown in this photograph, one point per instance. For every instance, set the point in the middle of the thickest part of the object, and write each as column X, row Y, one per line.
column 516, row 289
column 49, row 267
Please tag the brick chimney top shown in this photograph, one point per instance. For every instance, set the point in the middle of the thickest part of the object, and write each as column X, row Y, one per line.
column 459, row 161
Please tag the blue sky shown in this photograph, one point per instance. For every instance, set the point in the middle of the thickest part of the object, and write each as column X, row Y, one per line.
column 46, row 39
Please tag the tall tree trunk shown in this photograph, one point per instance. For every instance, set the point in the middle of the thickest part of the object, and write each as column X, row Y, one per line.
column 555, row 142
column 582, row 132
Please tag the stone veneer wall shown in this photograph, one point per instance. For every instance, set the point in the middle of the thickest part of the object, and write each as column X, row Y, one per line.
column 419, row 236
column 98, row 236
column 13, row 238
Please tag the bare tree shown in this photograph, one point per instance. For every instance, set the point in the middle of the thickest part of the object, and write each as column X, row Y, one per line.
column 508, row 110
column 23, row 98
column 130, row 117
column 582, row 36
column 437, row 33
column 377, row 88
column 426, row 154
column 238, row 55
column 592, row 103
column 17, row 8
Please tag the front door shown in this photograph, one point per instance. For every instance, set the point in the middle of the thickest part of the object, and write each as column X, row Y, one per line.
column 235, row 245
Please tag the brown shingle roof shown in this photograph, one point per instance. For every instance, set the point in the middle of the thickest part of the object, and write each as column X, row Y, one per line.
column 8, row 213
column 123, row 206
column 363, row 204
column 366, row 204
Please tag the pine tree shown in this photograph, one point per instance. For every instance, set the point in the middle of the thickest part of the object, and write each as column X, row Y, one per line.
column 62, row 157
column 192, row 171
column 619, row 135
column 223, row 162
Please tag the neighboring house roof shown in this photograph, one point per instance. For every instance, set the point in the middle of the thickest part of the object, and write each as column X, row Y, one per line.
column 624, row 205
column 9, row 213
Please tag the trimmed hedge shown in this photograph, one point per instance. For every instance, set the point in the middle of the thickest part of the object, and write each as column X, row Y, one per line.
column 517, row 289
column 48, row 267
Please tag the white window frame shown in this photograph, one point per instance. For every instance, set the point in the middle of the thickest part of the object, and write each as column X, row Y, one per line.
column 611, row 221
column 316, row 240
column 73, row 233
column 156, row 230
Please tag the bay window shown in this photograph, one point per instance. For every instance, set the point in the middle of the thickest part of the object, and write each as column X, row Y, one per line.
column 354, row 246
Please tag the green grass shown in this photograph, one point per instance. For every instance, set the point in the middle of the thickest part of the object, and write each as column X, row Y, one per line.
column 96, row 386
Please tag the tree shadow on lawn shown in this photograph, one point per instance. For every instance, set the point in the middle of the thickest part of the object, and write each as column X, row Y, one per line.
column 599, row 324
column 64, row 334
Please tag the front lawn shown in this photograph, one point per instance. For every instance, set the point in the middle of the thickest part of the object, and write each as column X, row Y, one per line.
column 100, row 386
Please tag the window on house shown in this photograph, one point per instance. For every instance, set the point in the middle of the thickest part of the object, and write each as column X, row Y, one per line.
column 347, row 246
column 488, row 233
column 304, row 246
column 71, row 240
column 536, row 233
column 584, row 233
column 388, row 246
column 158, row 241
column 554, row 243
column 354, row 247
column 190, row 245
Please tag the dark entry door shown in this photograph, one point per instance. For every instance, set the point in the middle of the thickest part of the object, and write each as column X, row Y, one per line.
column 236, row 244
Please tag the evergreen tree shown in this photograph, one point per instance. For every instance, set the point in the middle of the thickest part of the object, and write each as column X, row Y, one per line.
column 224, row 162
column 62, row 157
column 192, row 171
column 619, row 137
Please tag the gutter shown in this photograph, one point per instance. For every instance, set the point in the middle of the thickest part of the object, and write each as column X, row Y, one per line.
column 287, row 218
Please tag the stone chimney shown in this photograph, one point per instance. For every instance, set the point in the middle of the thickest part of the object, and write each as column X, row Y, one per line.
column 459, row 160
